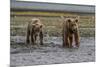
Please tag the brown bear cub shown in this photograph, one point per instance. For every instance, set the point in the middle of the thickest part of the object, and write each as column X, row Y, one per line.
column 34, row 29
column 70, row 32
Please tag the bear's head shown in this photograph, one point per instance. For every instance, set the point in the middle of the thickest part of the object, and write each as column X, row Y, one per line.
column 72, row 24
column 36, row 25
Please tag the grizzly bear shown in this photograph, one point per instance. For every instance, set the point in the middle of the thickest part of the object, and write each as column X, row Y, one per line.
column 34, row 30
column 70, row 32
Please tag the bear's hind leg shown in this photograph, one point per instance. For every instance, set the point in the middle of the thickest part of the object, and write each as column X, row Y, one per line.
column 28, row 37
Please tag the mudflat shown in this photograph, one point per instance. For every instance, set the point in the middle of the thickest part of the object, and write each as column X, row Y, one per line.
column 51, row 52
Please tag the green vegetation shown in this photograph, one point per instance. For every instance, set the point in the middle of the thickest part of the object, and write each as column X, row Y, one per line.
column 52, row 24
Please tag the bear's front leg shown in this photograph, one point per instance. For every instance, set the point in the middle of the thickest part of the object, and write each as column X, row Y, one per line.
column 66, row 42
column 41, row 38
column 77, row 39
column 71, row 41
column 32, row 38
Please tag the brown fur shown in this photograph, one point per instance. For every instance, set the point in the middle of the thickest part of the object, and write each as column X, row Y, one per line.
column 34, row 29
column 70, row 32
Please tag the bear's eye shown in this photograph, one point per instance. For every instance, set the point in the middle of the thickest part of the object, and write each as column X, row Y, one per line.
column 35, row 20
column 69, row 20
column 76, row 20
column 40, row 26
column 72, row 25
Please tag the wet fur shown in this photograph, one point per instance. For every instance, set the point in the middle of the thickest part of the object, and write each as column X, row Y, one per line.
column 34, row 29
column 70, row 32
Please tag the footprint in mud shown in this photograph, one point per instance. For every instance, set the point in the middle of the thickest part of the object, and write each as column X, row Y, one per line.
column 89, row 53
column 14, row 52
column 38, row 58
column 32, row 60
column 92, row 49
column 72, row 49
column 14, row 60
column 24, row 59
column 46, row 51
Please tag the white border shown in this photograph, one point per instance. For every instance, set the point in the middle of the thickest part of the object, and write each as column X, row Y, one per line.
column 5, row 39
column 4, row 33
